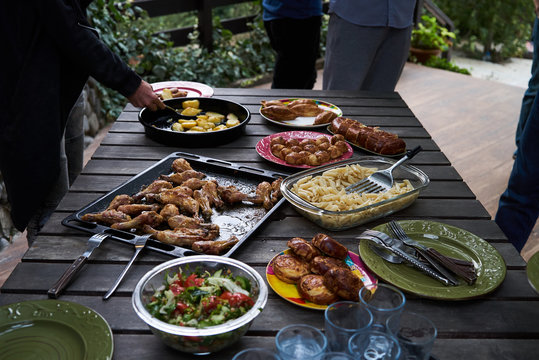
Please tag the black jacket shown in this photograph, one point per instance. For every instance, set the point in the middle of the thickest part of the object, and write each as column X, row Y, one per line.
column 49, row 50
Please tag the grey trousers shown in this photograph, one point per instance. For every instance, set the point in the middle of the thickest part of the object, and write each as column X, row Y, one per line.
column 71, row 161
column 364, row 58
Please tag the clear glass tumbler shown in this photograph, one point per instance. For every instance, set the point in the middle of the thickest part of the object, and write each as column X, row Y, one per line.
column 415, row 334
column 374, row 345
column 382, row 301
column 300, row 342
column 342, row 320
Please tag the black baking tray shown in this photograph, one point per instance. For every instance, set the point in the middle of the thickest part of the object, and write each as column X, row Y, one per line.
column 240, row 220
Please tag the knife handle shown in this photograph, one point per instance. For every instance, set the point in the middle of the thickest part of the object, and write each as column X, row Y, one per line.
column 440, row 268
column 420, row 266
column 73, row 269
column 467, row 272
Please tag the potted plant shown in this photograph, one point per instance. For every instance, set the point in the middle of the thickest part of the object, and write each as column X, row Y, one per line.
column 429, row 39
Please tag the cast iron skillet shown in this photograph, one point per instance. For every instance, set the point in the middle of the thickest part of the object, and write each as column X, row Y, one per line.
column 157, row 124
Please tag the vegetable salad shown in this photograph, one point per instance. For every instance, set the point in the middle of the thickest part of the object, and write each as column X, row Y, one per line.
column 201, row 300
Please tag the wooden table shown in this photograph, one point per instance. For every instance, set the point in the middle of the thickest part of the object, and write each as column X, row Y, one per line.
column 502, row 325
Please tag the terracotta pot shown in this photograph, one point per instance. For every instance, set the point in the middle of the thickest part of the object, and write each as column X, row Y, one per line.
column 422, row 55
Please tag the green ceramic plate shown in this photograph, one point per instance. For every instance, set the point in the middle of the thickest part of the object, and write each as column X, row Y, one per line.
column 448, row 240
column 52, row 329
column 532, row 269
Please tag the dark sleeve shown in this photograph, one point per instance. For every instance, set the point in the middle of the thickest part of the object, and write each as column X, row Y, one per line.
column 78, row 41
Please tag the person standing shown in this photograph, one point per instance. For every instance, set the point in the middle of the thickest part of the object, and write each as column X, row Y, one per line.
column 293, row 27
column 367, row 44
column 49, row 50
column 533, row 84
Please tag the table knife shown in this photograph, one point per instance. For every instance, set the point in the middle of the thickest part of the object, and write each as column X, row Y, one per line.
column 70, row 272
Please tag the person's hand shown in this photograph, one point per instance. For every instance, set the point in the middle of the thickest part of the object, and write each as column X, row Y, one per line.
column 145, row 97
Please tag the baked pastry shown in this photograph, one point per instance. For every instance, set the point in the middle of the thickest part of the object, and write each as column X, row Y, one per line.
column 330, row 246
column 290, row 268
column 321, row 264
column 305, row 109
column 324, row 117
column 311, row 288
column 343, row 282
column 303, row 248
column 278, row 112
column 271, row 102
column 302, row 101
column 311, row 152
column 370, row 138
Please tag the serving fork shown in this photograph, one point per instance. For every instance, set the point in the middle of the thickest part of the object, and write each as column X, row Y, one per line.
column 74, row 268
column 382, row 180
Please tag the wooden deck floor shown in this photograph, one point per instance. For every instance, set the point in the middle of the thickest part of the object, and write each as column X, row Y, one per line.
column 472, row 120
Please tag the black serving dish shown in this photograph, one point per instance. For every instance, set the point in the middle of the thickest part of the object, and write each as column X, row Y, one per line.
column 157, row 124
column 240, row 220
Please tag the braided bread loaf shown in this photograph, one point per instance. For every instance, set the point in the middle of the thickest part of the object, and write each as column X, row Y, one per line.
column 370, row 138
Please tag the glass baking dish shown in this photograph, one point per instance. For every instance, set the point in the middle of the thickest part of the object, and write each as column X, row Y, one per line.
column 342, row 220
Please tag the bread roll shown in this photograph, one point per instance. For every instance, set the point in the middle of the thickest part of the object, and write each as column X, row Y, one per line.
column 303, row 249
column 370, row 138
column 343, row 282
column 321, row 264
column 290, row 268
column 330, row 246
column 311, row 288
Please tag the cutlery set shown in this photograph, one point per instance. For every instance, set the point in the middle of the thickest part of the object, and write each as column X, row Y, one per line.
column 403, row 249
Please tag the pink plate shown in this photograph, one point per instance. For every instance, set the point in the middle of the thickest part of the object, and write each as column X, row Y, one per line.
column 193, row 89
column 263, row 147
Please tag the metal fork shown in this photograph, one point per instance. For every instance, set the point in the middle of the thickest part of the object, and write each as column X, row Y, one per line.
column 399, row 232
column 140, row 243
column 381, row 180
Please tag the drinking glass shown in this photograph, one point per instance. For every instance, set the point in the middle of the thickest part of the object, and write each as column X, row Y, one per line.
column 382, row 301
column 415, row 334
column 256, row 354
column 374, row 345
column 300, row 342
column 336, row 356
column 342, row 320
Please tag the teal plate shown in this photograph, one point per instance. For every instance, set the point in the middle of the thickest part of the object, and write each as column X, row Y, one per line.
column 449, row 240
column 532, row 270
column 53, row 329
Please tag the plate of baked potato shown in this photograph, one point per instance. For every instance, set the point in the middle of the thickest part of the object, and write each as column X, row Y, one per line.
column 299, row 112
column 316, row 273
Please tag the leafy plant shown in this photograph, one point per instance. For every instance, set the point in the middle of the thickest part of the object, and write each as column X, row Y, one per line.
column 495, row 28
column 441, row 63
column 430, row 35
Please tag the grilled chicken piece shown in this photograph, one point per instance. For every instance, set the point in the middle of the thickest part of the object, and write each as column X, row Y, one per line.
column 263, row 195
column 120, row 200
column 182, row 221
column 179, row 178
column 169, row 210
column 137, row 209
column 108, row 217
column 150, row 218
column 276, row 190
column 181, row 197
column 203, row 202
column 154, row 188
column 231, row 195
column 214, row 247
column 194, row 183
column 211, row 191
column 181, row 236
column 180, row 165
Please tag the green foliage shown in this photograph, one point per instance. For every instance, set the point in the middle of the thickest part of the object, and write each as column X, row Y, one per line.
column 441, row 63
column 429, row 35
column 496, row 28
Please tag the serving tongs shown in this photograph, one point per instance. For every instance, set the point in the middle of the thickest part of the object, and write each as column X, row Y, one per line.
column 394, row 246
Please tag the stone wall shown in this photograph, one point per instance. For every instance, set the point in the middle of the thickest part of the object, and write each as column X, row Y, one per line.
column 93, row 122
